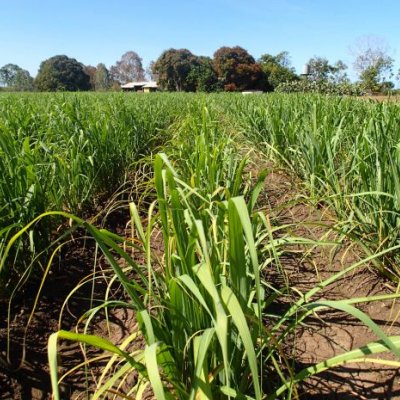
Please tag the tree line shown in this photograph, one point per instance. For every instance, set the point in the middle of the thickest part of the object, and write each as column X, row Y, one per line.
column 230, row 69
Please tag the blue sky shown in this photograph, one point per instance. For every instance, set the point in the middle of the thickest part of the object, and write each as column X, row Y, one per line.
column 94, row 31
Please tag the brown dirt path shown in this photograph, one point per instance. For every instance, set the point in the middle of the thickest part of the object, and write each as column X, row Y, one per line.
column 332, row 332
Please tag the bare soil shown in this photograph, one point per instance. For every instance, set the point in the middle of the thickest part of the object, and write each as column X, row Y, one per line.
column 333, row 332
column 24, row 371
column 382, row 98
column 28, row 378
column 322, row 336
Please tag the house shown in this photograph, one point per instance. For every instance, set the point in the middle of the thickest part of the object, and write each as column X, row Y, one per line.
column 150, row 87
column 143, row 86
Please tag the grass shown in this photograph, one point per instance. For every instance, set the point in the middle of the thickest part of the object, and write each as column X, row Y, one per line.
column 346, row 152
column 201, row 306
column 68, row 152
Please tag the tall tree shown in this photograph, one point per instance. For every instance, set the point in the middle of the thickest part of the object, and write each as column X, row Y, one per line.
column 202, row 75
column 237, row 70
column 322, row 70
column 372, row 62
column 173, row 68
column 277, row 68
column 338, row 72
column 91, row 72
column 62, row 73
column 150, row 72
column 16, row 78
column 319, row 68
column 129, row 68
column 23, row 81
column 8, row 73
column 102, row 79
column 373, row 76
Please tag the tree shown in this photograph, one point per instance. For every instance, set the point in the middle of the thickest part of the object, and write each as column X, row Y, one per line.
column 8, row 73
column 23, row 81
column 174, row 67
column 372, row 77
column 202, row 75
column 250, row 77
column 237, row 70
column 372, row 62
column 102, row 78
column 129, row 68
column 277, row 68
column 338, row 74
column 319, row 68
column 323, row 71
column 16, row 78
column 62, row 73
column 150, row 72
column 91, row 72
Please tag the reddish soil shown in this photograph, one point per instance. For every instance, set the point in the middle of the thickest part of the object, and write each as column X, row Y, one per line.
column 322, row 336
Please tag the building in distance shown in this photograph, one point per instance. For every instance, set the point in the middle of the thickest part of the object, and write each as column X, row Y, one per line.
column 144, row 86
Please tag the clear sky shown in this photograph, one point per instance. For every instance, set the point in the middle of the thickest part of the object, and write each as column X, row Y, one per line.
column 94, row 31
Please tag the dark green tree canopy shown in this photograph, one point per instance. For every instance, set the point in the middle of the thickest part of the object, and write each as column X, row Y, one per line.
column 173, row 68
column 60, row 73
column 237, row 70
column 202, row 75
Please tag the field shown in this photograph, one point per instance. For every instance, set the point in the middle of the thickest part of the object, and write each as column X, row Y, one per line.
column 199, row 246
